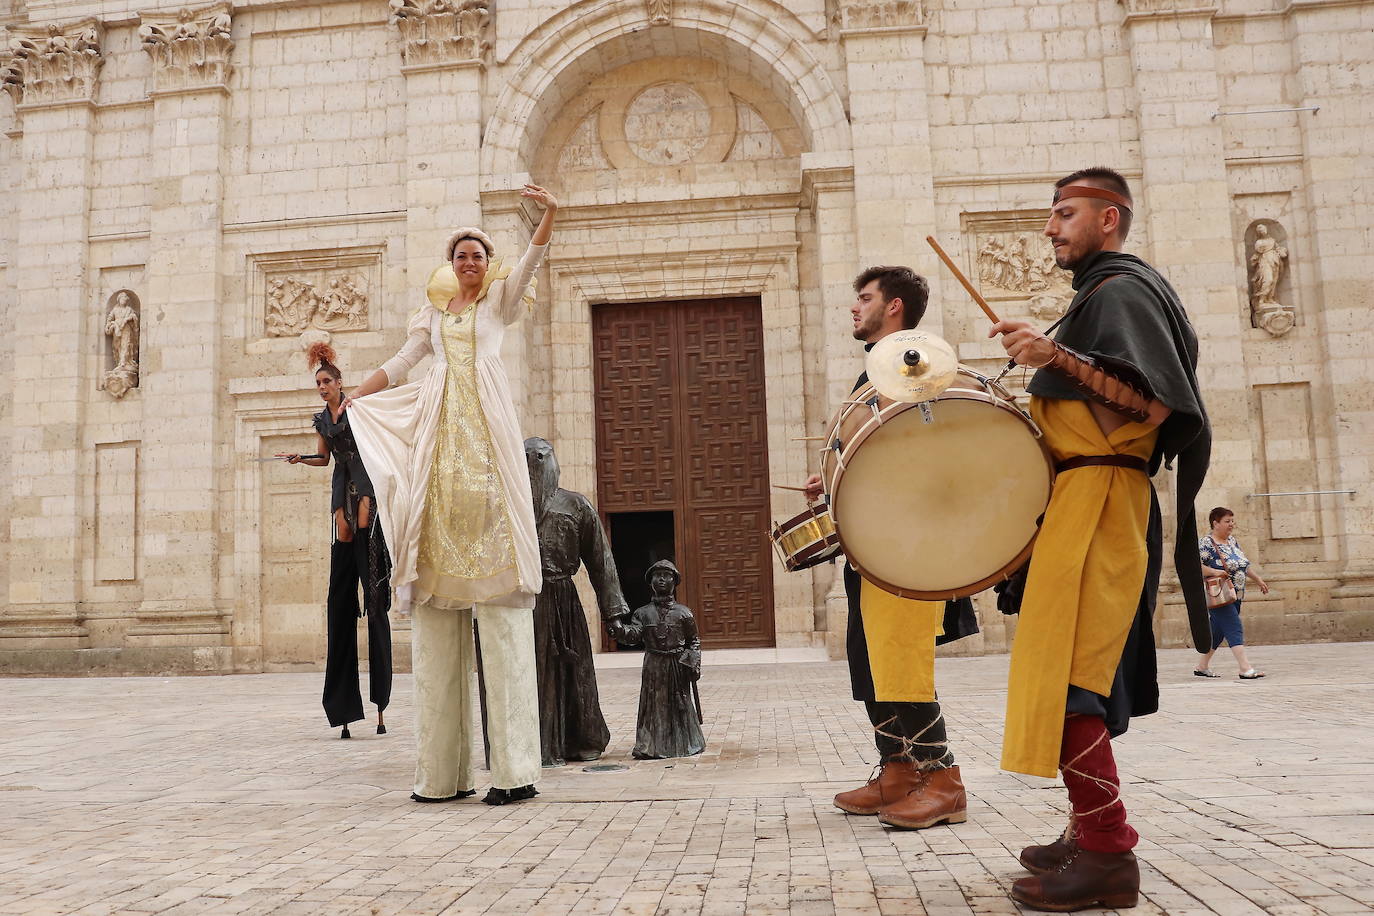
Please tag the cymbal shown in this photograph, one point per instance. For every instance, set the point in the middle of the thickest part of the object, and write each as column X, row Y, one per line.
column 912, row 366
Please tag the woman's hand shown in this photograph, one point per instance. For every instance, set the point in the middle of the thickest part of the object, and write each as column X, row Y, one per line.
column 1264, row 587
column 291, row 458
column 1024, row 343
column 540, row 196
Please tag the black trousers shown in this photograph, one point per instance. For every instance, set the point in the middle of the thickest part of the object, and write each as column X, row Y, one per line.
column 910, row 731
column 349, row 568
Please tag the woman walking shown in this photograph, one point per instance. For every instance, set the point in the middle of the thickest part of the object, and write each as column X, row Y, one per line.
column 448, row 462
column 1222, row 558
column 358, row 555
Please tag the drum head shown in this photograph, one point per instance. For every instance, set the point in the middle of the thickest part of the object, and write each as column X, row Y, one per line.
column 942, row 509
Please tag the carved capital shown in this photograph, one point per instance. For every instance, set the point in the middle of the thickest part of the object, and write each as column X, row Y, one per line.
column 53, row 64
column 441, row 32
column 660, row 12
column 864, row 15
column 190, row 48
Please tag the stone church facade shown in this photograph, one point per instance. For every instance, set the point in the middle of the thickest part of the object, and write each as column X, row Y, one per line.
column 188, row 192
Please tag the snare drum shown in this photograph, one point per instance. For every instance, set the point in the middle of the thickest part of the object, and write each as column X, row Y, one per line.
column 806, row 539
column 940, row 499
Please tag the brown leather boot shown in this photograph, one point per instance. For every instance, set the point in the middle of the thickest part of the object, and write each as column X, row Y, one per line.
column 938, row 798
column 1085, row 879
column 1039, row 860
column 894, row 780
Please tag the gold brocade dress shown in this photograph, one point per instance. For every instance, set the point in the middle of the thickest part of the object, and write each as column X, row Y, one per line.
column 466, row 552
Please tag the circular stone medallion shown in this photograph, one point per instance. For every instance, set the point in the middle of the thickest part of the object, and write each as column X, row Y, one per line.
column 667, row 124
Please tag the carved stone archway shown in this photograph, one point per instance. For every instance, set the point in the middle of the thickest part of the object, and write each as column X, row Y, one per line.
column 564, row 53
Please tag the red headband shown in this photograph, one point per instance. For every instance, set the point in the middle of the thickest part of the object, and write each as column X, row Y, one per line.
column 1082, row 190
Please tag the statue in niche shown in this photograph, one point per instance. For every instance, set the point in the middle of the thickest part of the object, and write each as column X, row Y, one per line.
column 571, row 725
column 1268, row 257
column 121, row 326
column 669, row 722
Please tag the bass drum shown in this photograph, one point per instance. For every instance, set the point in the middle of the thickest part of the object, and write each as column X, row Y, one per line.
column 940, row 499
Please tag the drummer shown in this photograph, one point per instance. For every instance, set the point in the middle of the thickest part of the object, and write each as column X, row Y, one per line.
column 1116, row 395
column 917, row 783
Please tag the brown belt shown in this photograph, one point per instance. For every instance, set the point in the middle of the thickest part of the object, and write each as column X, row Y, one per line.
column 1114, row 461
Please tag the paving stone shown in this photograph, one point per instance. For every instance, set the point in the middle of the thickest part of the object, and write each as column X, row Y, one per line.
column 226, row 795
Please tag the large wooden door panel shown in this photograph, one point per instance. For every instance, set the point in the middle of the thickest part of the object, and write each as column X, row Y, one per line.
column 634, row 408
column 681, row 425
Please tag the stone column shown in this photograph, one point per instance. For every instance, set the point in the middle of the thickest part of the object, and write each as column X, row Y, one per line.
column 51, row 72
column 828, row 189
column 1337, row 161
column 442, row 53
column 894, row 197
column 182, row 396
column 1185, row 200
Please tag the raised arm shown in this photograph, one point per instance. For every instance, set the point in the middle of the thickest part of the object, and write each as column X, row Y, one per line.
column 517, row 284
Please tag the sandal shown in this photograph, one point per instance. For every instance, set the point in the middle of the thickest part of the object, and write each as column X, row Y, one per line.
column 1208, row 673
column 1251, row 675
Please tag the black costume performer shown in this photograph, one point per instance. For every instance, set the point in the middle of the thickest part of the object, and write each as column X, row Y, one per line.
column 571, row 726
column 363, row 560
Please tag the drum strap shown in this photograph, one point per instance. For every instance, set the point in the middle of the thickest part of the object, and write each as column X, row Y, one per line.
column 1115, row 461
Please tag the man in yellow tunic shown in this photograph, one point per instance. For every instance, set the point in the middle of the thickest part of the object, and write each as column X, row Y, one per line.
column 891, row 641
column 1116, row 395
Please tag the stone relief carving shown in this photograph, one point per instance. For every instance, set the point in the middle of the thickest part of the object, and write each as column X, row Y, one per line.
column 442, row 31
column 878, row 14
column 1020, row 265
column 295, row 305
column 583, row 149
column 667, row 124
column 754, row 138
column 53, row 63
column 660, row 12
column 1267, row 262
column 190, row 47
column 121, row 328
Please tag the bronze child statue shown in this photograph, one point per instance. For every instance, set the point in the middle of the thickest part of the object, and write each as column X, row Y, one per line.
column 669, row 708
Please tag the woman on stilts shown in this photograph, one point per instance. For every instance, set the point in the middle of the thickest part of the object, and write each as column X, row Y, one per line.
column 358, row 556
column 448, row 462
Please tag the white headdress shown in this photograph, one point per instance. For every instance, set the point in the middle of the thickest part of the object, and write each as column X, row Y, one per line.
column 469, row 232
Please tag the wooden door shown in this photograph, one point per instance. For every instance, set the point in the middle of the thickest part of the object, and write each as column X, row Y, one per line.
column 681, row 431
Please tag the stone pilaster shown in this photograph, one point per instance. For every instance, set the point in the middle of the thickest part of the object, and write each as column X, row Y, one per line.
column 182, row 333
column 1337, row 162
column 1185, row 200
column 828, row 188
column 51, row 72
column 444, row 45
column 894, row 197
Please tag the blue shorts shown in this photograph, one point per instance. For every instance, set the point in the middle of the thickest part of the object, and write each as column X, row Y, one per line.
column 1226, row 626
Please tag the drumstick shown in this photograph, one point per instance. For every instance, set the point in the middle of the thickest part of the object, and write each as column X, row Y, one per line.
column 783, row 486
column 959, row 275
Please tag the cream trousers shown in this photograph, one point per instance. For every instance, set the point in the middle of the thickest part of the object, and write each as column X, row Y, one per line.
column 445, row 669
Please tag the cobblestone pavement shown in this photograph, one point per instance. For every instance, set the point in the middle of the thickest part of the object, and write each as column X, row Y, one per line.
column 230, row 795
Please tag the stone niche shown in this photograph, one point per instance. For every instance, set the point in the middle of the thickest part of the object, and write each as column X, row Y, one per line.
column 122, row 320
column 1267, row 263
column 1012, row 262
column 299, row 292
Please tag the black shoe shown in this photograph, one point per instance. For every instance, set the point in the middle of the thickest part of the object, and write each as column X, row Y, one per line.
column 497, row 796
column 421, row 798
column 381, row 730
column 345, row 733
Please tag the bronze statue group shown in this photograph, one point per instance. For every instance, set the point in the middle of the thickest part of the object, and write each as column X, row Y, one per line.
column 433, row 504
